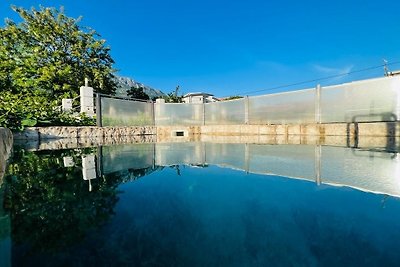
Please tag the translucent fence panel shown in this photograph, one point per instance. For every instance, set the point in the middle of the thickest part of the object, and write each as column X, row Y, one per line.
column 226, row 112
column 118, row 112
column 283, row 108
column 178, row 114
column 369, row 100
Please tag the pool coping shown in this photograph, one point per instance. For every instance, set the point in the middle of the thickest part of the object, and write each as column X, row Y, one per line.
column 381, row 129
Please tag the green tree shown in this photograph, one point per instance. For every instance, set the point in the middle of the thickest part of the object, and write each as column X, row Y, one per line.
column 138, row 93
column 43, row 59
column 50, row 52
column 232, row 98
column 174, row 97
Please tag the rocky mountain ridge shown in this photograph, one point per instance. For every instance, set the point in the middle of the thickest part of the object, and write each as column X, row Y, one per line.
column 125, row 83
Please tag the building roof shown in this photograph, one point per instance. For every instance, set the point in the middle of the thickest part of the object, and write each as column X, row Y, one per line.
column 198, row 94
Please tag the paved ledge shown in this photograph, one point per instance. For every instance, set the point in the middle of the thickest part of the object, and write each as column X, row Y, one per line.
column 327, row 129
column 42, row 133
column 383, row 129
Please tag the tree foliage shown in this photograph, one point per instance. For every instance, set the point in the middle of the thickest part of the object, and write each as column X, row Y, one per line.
column 18, row 111
column 232, row 98
column 138, row 93
column 174, row 96
column 45, row 58
column 50, row 52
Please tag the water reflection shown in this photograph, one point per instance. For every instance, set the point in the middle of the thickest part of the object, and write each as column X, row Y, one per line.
column 67, row 206
column 368, row 170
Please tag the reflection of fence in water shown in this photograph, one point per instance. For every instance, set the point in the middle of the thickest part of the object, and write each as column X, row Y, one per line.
column 366, row 170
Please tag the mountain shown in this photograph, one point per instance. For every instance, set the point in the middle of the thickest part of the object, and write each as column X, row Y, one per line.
column 125, row 83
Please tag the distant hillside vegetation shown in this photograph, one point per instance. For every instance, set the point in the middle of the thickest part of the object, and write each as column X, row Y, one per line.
column 125, row 83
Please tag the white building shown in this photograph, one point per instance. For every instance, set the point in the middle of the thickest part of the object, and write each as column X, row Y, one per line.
column 199, row 97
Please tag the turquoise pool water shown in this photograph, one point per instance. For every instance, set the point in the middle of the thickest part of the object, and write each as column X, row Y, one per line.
column 201, row 204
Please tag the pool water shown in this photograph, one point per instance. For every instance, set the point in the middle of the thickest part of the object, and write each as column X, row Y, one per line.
column 201, row 204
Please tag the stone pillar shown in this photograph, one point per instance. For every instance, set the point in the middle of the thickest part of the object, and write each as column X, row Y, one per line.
column 66, row 105
column 87, row 104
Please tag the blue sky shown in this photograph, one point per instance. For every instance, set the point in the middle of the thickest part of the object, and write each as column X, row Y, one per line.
column 235, row 47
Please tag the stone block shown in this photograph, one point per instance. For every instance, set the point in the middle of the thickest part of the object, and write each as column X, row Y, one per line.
column 310, row 129
column 281, row 129
column 249, row 130
column 310, row 139
column 294, row 129
column 381, row 142
column 267, row 129
column 281, row 139
column 55, row 132
column 89, row 132
column 267, row 139
column 249, row 139
column 294, row 139
column 332, row 140
column 379, row 129
column 328, row 129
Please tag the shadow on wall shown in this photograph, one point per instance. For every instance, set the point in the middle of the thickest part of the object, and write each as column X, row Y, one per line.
column 391, row 130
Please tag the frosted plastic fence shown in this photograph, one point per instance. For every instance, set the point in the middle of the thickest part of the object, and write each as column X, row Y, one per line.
column 362, row 101
column 369, row 100
column 283, row 108
column 227, row 112
column 178, row 114
column 118, row 112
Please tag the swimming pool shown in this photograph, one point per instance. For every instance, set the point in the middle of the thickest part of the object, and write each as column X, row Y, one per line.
column 202, row 204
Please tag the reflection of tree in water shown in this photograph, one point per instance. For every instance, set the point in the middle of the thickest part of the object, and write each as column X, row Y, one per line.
column 50, row 205
column 52, row 210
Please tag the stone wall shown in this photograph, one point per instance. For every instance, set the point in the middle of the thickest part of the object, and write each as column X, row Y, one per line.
column 42, row 133
column 6, row 143
column 382, row 129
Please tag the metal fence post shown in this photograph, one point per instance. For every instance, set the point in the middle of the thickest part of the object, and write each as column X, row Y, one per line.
column 153, row 113
column 246, row 109
column 204, row 114
column 98, row 110
column 318, row 104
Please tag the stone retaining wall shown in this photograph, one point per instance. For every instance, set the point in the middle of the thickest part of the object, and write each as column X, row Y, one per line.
column 42, row 133
column 384, row 129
